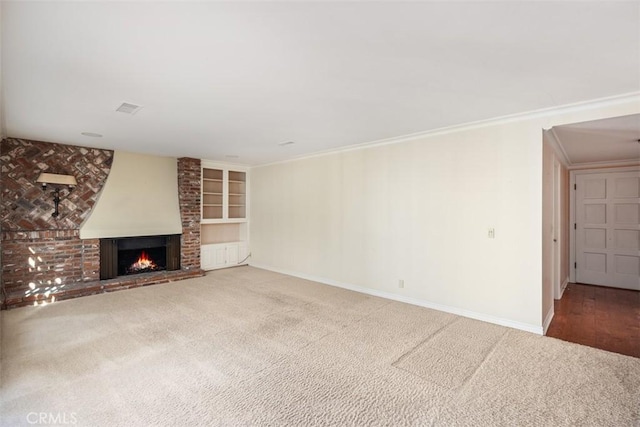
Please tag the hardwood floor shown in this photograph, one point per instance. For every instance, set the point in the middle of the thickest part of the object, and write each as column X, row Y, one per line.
column 605, row 318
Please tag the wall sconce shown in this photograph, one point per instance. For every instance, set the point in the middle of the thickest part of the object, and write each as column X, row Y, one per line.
column 57, row 180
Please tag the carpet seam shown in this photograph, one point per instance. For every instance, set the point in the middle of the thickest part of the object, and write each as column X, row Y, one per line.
column 424, row 341
column 484, row 359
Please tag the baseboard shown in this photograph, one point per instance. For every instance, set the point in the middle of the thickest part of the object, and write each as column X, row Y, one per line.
column 410, row 300
column 547, row 320
column 563, row 287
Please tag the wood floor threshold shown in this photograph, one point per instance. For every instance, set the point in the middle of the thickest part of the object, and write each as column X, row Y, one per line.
column 600, row 317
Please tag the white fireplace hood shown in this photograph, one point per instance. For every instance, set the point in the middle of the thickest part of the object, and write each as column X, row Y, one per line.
column 139, row 198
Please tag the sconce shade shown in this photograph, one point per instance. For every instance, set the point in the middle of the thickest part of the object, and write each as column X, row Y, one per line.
column 54, row 178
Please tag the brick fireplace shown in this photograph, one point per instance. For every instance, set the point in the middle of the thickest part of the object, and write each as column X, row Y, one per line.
column 43, row 258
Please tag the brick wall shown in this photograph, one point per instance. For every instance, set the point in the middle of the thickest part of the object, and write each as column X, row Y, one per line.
column 36, row 248
column 189, row 172
column 47, row 258
column 24, row 204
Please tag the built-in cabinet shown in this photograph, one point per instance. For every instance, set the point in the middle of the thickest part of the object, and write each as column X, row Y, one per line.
column 224, row 224
column 222, row 255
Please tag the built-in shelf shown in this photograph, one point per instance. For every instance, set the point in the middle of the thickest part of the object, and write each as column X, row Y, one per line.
column 212, row 193
column 237, row 194
column 224, row 226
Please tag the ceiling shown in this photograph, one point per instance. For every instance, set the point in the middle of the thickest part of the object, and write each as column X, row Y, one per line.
column 231, row 81
column 614, row 140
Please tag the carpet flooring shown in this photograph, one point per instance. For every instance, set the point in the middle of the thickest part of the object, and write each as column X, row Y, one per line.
column 245, row 347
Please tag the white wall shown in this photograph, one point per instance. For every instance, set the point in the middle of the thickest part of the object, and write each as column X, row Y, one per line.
column 420, row 211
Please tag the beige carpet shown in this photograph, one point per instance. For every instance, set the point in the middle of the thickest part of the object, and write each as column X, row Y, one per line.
column 245, row 346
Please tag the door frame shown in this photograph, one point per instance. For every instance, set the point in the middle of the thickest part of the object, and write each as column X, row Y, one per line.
column 572, row 208
column 556, row 257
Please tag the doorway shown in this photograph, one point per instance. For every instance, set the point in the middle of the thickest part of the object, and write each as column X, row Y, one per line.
column 608, row 227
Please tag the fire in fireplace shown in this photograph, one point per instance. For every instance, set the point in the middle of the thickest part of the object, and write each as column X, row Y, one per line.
column 143, row 264
column 135, row 255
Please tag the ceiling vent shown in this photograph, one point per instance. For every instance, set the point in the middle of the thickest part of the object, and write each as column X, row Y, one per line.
column 128, row 108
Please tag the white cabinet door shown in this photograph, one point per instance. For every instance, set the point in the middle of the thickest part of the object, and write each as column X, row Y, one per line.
column 243, row 251
column 213, row 256
column 220, row 256
column 232, row 254
column 608, row 229
column 206, row 257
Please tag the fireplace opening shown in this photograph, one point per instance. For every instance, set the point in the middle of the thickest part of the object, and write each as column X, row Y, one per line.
column 136, row 255
column 141, row 261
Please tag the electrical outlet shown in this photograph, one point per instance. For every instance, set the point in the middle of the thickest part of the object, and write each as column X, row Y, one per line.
column 492, row 233
column 401, row 283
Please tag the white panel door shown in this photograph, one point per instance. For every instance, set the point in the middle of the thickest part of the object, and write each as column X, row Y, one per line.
column 608, row 229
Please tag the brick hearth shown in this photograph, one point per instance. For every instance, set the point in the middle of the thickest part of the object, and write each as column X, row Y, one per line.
column 74, row 290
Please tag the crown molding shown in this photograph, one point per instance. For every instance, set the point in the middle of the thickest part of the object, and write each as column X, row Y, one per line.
column 534, row 114
column 604, row 164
